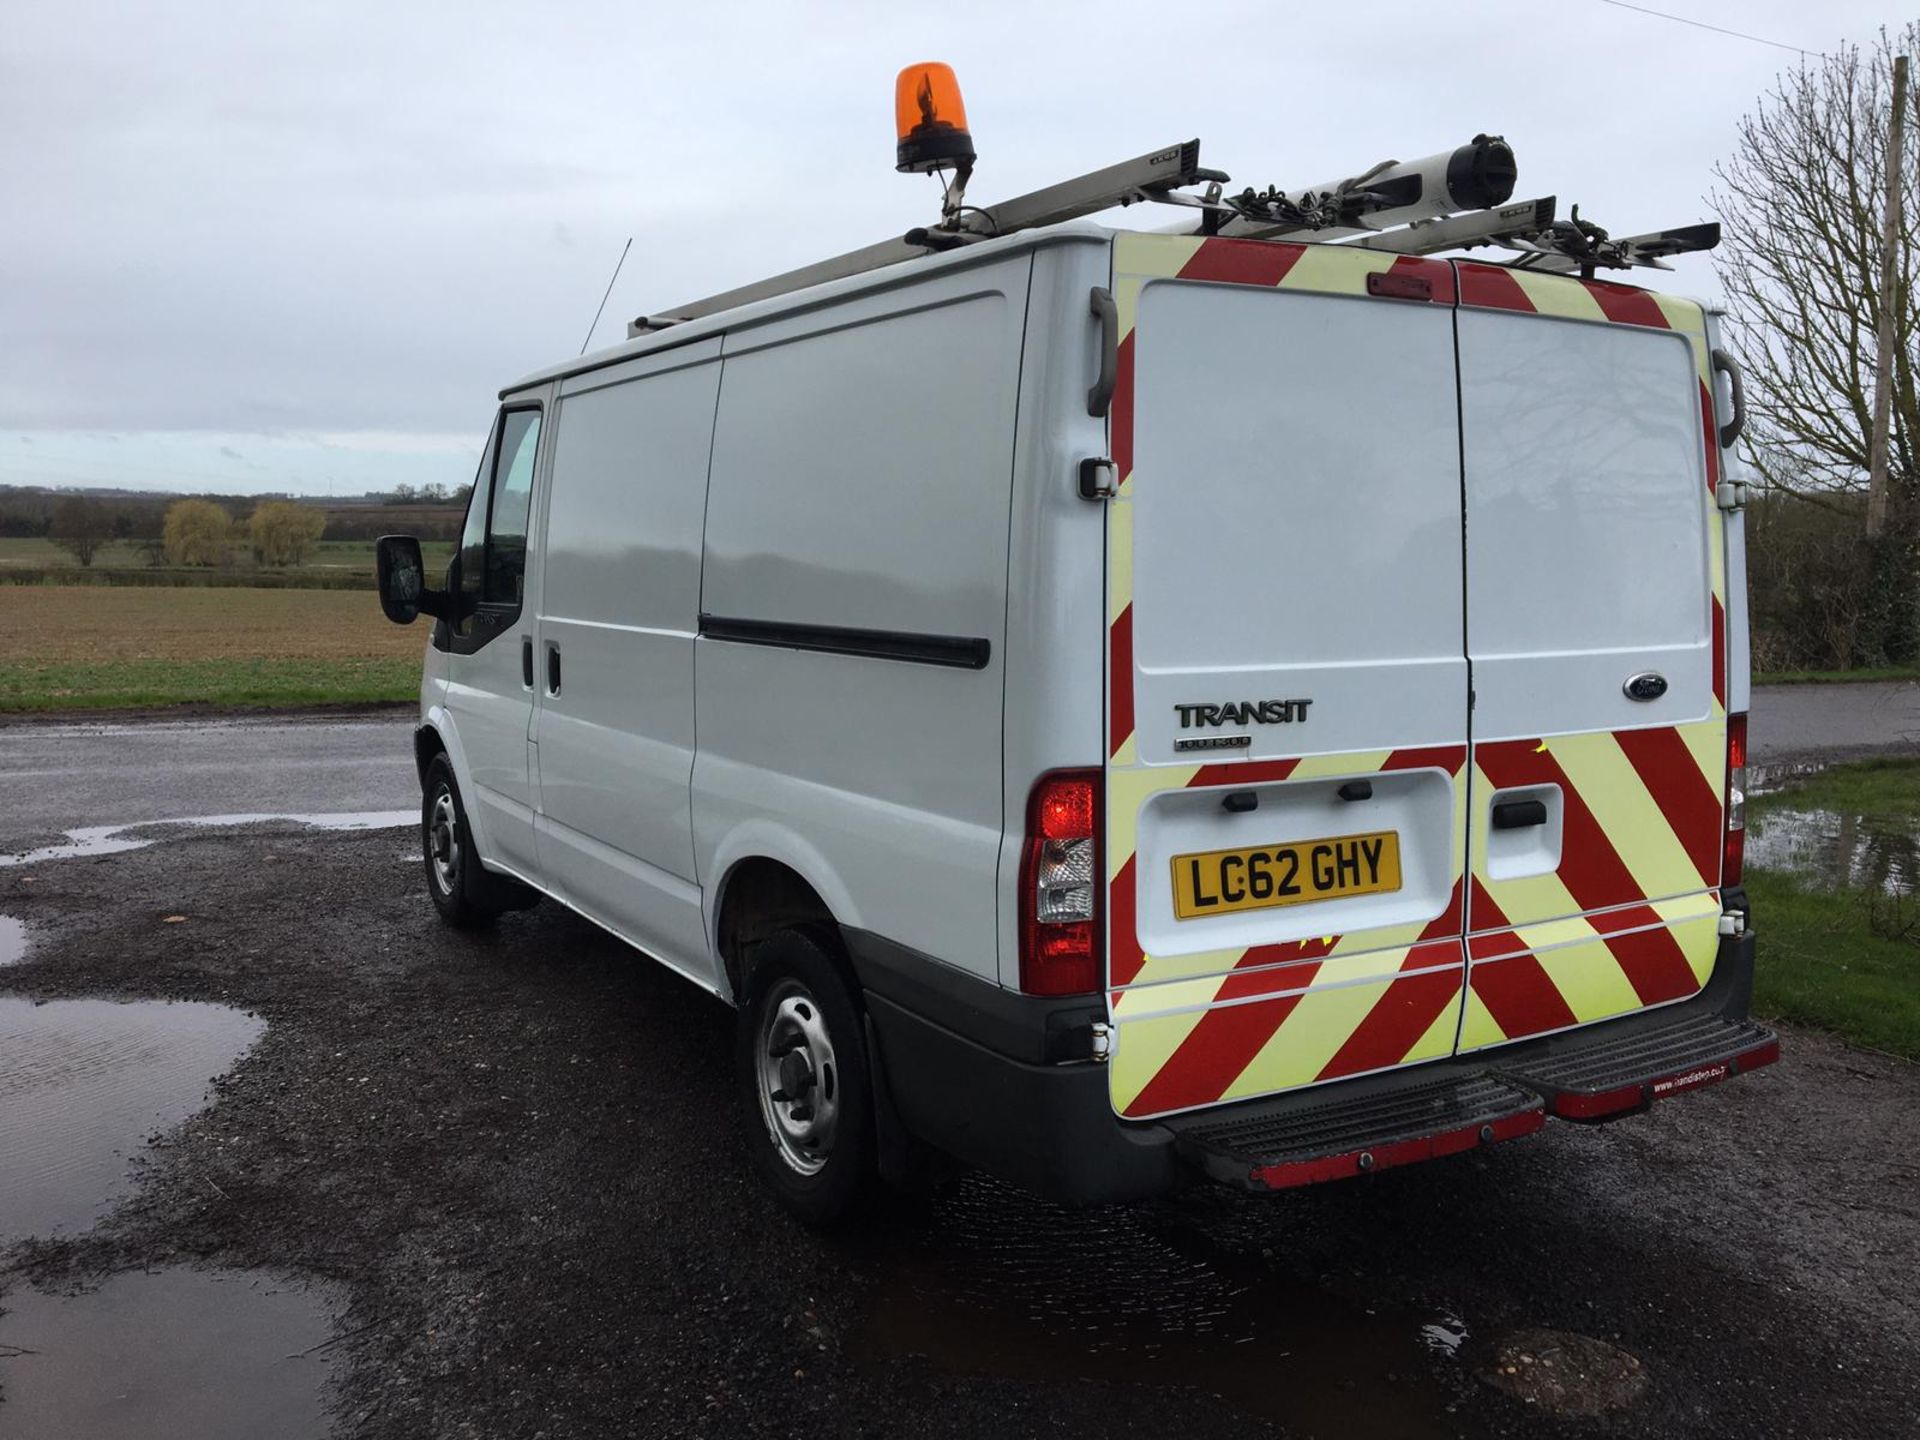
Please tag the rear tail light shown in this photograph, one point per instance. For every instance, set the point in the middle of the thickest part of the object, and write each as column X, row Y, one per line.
column 1733, row 856
column 1060, row 886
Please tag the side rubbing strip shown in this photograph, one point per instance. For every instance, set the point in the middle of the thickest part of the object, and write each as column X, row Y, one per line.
column 958, row 652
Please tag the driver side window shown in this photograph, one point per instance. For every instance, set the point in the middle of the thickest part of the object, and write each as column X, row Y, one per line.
column 493, row 543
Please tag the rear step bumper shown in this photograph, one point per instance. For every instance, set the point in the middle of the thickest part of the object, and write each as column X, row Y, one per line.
column 1005, row 1082
column 1271, row 1146
column 1307, row 1137
column 1630, row 1072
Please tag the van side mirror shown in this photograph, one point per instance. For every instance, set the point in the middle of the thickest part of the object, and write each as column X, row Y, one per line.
column 402, row 576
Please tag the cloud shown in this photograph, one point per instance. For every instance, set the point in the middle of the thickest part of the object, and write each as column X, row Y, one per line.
column 231, row 453
column 252, row 223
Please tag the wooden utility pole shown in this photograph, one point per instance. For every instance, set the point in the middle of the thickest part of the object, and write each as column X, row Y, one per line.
column 1889, row 304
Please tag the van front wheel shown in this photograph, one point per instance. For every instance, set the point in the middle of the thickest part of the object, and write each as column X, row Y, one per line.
column 464, row 893
column 808, row 1094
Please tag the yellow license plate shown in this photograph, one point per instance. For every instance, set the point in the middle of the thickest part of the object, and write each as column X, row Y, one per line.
column 1261, row 877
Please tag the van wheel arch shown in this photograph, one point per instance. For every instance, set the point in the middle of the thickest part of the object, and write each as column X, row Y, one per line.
column 426, row 745
column 760, row 898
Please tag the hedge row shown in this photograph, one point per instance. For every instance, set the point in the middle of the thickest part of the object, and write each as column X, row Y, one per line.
column 178, row 577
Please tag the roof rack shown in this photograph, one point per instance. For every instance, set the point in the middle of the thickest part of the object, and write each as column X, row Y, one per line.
column 1456, row 199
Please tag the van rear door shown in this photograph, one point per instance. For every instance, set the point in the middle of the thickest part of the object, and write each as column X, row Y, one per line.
column 1287, row 677
column 1596, row 626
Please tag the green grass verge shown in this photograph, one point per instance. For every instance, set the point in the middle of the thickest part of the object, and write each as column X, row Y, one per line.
column 1836, row 677
column 262, row 683
column 1820, row 965
column 1821, row 961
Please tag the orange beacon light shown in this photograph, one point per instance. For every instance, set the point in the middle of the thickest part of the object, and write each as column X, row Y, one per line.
column 930, row 120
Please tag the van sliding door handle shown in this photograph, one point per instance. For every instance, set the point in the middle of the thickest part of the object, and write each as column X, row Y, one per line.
column 526, row 661
column 1518, row 814
column 553, row 669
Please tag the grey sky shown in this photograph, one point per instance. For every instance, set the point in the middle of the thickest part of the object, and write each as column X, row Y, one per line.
column 300, row 245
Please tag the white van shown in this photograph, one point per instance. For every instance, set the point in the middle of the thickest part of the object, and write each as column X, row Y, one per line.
column 1121, row 707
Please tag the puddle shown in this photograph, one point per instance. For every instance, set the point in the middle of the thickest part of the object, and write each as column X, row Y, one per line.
column 1020, row 1290
column 1835, row 850
column 83, row 1083
column 1766, row 779
column 13, row 940
column 92, row 840
column 206, row 1353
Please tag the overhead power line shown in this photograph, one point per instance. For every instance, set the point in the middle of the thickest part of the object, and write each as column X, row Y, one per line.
column 1702, row 25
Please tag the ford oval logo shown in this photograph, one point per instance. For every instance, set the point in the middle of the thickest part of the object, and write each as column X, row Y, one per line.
column 1647, row 685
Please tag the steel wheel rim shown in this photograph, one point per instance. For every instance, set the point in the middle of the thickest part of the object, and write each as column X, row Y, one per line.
column 798, row 1078
column 443, row 842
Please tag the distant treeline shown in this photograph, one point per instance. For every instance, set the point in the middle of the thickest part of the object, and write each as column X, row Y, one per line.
column 29, row 514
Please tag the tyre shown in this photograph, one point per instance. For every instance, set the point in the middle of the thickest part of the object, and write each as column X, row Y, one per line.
column 464, row 892
column 807, row 1092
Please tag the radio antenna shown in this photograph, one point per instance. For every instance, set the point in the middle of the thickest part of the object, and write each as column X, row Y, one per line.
column 603, row 299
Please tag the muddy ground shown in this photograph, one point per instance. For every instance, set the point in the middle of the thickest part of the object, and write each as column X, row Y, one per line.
column 511, row 1164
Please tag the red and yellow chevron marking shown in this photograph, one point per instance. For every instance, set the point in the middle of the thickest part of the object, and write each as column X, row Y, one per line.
column 1629, row 920
column 1224, row 1024
column 1535, row 979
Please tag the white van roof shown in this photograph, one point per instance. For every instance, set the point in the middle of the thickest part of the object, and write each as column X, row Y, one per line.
column 906, row 273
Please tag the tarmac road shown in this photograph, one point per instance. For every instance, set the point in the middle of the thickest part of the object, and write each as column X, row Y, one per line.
column 1834, row 722
column 56, row 776
column 62, row 776
column 514, row 1158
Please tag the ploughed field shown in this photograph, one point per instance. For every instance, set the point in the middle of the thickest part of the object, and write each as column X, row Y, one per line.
column 95, row 647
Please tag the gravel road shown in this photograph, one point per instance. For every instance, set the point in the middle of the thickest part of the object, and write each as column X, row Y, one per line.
column 514, row 1154
column 511, row 1160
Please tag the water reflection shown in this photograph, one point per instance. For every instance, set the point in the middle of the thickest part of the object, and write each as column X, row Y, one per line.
column 96, row 840
column 83, row 1083
column 1835, row 850
column 213, row 1354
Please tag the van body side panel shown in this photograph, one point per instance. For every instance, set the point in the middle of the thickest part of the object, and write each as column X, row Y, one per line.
column 1595, row 554
column 1056, row 617
column 1284, row 578
column 619, row 609
column 850, row 670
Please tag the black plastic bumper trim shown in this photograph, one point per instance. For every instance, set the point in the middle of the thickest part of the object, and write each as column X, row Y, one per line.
column 1031, row 1029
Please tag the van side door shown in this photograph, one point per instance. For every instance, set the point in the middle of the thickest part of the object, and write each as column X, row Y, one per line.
column 619, row 610
column 489, row 694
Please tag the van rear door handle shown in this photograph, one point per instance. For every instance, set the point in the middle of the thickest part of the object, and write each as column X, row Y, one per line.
column 1107, row 312
column 1518, row 814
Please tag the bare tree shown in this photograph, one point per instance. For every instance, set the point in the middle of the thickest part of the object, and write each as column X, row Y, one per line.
column 1801, row 200
column 80, row 527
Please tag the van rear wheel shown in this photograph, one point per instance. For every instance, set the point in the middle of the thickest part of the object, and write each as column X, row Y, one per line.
column 807, row 1091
